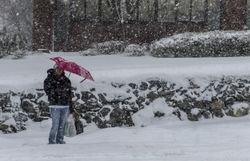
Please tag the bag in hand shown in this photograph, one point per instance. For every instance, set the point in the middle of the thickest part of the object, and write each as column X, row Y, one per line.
column 70, row 129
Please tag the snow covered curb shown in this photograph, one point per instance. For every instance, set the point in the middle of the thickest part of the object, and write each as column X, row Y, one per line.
column 136, row 103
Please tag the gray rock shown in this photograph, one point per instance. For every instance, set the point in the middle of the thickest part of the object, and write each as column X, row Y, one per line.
column 151, row 96
column 102, row 99
column 192, row 117
column 166, row 94
column 119, row 117
column 140, row 100
column 29, row 96
column 3, row 127
column 136, row 93
column 242, row 112
column 27, row 106
column 159, row 114
column 104, row 111
column 100, row 124
column 133, row 85
column 154, row 83
column 86, row 96
column 21, row 117
column 77, row 95
column 143, row 86
column 229, row 101
column 117, row 85
column 217, row 107
column 87, row 117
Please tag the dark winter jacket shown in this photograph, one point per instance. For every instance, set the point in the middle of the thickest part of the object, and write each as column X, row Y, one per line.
column 58, row 89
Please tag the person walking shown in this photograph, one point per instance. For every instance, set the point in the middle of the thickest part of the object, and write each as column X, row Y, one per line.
column 58, row 89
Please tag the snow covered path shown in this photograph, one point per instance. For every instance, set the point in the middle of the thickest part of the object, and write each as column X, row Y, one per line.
column 30, row 71
column 226, row 139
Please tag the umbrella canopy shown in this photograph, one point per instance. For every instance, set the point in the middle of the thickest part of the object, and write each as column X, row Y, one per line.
column 72, row 67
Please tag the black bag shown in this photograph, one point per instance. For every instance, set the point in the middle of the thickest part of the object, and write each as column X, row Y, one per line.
column 79, row 126
column 78, row 123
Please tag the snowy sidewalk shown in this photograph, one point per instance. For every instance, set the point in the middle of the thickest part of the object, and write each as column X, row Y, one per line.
column 224, row 139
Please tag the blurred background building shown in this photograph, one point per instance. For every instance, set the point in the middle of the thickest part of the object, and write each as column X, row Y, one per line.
column 73, row 25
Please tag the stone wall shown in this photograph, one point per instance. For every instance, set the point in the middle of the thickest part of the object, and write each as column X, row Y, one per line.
column 227, row 96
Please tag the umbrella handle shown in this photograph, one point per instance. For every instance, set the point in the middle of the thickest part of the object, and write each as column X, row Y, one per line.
column 69, row 74
column 83, row 80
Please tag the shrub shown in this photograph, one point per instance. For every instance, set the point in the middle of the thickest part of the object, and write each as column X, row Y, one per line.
column 110, row 47
column 135, row 50
column 208, row 44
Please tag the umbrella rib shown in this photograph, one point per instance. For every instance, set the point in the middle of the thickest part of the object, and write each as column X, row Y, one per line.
column 83, row 80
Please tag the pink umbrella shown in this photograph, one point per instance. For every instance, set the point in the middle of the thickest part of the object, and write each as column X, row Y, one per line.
column 72, row 68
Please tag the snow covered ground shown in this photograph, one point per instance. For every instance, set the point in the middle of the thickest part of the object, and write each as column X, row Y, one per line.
column 30, row 72
column 165, row 139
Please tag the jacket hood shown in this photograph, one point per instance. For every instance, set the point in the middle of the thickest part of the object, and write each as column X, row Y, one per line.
column 52, row 72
